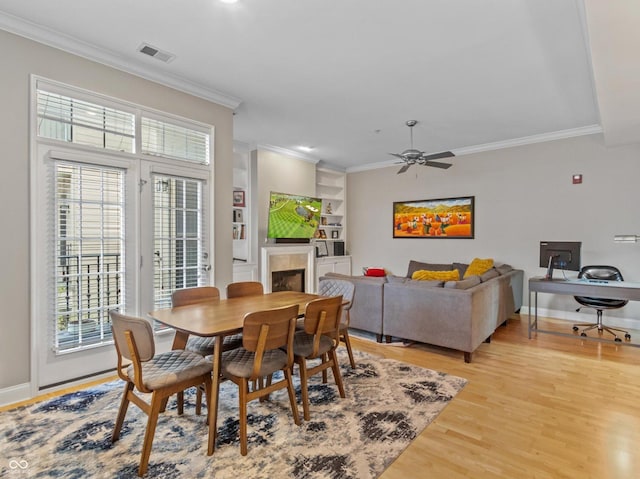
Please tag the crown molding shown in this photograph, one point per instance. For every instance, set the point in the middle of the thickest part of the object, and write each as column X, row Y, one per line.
column 69, row 44
column 498, row 145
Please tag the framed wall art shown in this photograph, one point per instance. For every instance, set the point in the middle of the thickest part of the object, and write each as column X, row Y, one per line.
column 238, row 198
column 434, row 218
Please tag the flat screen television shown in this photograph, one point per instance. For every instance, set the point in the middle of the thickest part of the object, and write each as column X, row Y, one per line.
column 293, row 217
column 564, row 255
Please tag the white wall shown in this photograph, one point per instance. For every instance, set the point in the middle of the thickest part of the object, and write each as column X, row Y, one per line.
column 20, row 58
column 522, row 195
column 284, row 174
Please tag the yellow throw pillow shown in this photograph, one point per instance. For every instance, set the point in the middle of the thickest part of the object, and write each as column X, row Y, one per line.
column 478, row 267
column 423, row 275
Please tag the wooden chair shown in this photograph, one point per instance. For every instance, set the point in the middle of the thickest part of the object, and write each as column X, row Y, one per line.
column 244, row 288
column 202, row 345
column 318, row 340
column 162, row 375
column 335, row 287
column 264, row 334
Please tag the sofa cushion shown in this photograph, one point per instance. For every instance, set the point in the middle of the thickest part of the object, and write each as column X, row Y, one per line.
column 461, row 267
column 417, row 265
column 487, row 275
column 479, row 266
column 425, row 275
column 504, row 268
column 396, row 279
column 467, row 283
column 424, row 283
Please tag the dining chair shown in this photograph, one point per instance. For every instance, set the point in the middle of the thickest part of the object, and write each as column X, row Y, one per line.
column 160, row 375
column 267, row 347
column 198, row 344
column 335, row 287
column 318, row 340
column 244, row 288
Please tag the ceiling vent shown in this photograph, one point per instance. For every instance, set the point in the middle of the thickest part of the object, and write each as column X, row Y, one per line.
column 156, row 53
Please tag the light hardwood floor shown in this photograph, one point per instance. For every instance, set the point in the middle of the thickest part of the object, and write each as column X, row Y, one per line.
column 549, row 407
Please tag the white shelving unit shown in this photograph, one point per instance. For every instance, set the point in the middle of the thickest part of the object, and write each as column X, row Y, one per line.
column 330, row 187
column 244, row 263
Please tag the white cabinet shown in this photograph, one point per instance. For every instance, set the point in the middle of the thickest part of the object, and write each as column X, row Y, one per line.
column 333, row 264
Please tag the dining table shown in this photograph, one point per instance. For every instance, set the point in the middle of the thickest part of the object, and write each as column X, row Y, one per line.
column 217, row 319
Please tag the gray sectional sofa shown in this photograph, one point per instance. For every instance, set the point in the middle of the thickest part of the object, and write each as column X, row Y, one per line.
column 453, row 314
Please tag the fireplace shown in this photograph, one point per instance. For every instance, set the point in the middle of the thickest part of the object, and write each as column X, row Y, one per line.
column 285, row 258
column 288, row 280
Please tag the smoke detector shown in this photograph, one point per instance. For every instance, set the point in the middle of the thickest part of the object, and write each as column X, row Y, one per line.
column 156, row 53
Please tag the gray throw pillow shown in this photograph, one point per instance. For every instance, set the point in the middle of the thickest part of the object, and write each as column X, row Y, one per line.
column 461, row 267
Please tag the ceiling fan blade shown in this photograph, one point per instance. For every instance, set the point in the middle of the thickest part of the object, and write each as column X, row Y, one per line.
column 437, row 164
column 437, row 156
column 403, row 169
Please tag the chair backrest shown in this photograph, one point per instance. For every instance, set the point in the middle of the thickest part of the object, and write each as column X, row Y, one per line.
column 331, row 307
column 200, row 294
column 281, row 326
column 601, row 273
column 142, row 335
column 244, row 288
column 337, row 287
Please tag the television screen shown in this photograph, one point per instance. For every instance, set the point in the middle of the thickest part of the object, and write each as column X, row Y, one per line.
column 293, row 216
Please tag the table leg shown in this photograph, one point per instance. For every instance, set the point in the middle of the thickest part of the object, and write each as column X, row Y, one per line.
column 215, row 391
column 180, row 340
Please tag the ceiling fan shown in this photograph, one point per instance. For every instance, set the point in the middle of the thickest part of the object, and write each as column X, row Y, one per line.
column 413, row 156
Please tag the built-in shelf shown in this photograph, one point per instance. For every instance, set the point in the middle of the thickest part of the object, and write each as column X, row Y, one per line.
column 330, row 187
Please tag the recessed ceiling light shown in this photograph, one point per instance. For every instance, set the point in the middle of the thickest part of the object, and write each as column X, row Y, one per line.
column 228, row 1
column 306, row 148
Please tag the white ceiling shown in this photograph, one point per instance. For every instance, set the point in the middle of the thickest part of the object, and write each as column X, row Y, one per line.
column 343, row 76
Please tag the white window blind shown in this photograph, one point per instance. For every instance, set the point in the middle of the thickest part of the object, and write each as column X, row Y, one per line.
column 170, row 140
column 89, row 252
column 77, row 121
column 178, row 235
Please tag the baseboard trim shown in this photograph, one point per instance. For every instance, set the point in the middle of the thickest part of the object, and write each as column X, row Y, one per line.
column 616, row 322
column 14, row 394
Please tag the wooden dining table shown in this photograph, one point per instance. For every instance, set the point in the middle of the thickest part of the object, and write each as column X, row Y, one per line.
column 218, row 319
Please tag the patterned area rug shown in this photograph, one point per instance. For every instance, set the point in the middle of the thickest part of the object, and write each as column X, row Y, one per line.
column 388, row 404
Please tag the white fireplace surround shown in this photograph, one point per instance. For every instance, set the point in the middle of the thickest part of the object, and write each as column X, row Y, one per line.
column 287, row 257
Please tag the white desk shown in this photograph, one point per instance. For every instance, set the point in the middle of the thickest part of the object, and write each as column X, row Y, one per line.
column 629, row 290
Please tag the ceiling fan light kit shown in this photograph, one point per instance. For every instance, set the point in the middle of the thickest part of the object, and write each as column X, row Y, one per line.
column 413, row 156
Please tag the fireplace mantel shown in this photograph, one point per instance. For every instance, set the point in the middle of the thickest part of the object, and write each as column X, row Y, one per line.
column 286, row 257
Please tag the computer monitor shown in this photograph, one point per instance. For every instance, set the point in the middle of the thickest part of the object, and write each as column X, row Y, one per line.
column 563, row 255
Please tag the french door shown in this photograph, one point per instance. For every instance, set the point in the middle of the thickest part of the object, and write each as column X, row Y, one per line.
column 111, row 233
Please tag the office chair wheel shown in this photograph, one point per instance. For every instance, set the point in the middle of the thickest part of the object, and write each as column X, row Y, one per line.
column 583, row 334
column 617, row 339
column 575, row 328
column 627, row 337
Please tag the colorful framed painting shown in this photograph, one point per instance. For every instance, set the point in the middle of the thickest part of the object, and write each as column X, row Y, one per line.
column 436, row 218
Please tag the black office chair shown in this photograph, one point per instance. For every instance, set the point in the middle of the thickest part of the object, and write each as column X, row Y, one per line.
column 600, row 273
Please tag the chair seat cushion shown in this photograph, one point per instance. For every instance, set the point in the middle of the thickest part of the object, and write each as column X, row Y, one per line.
column 170, row 368
column 303, row 344
column 239, row 362
column 204, row 345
